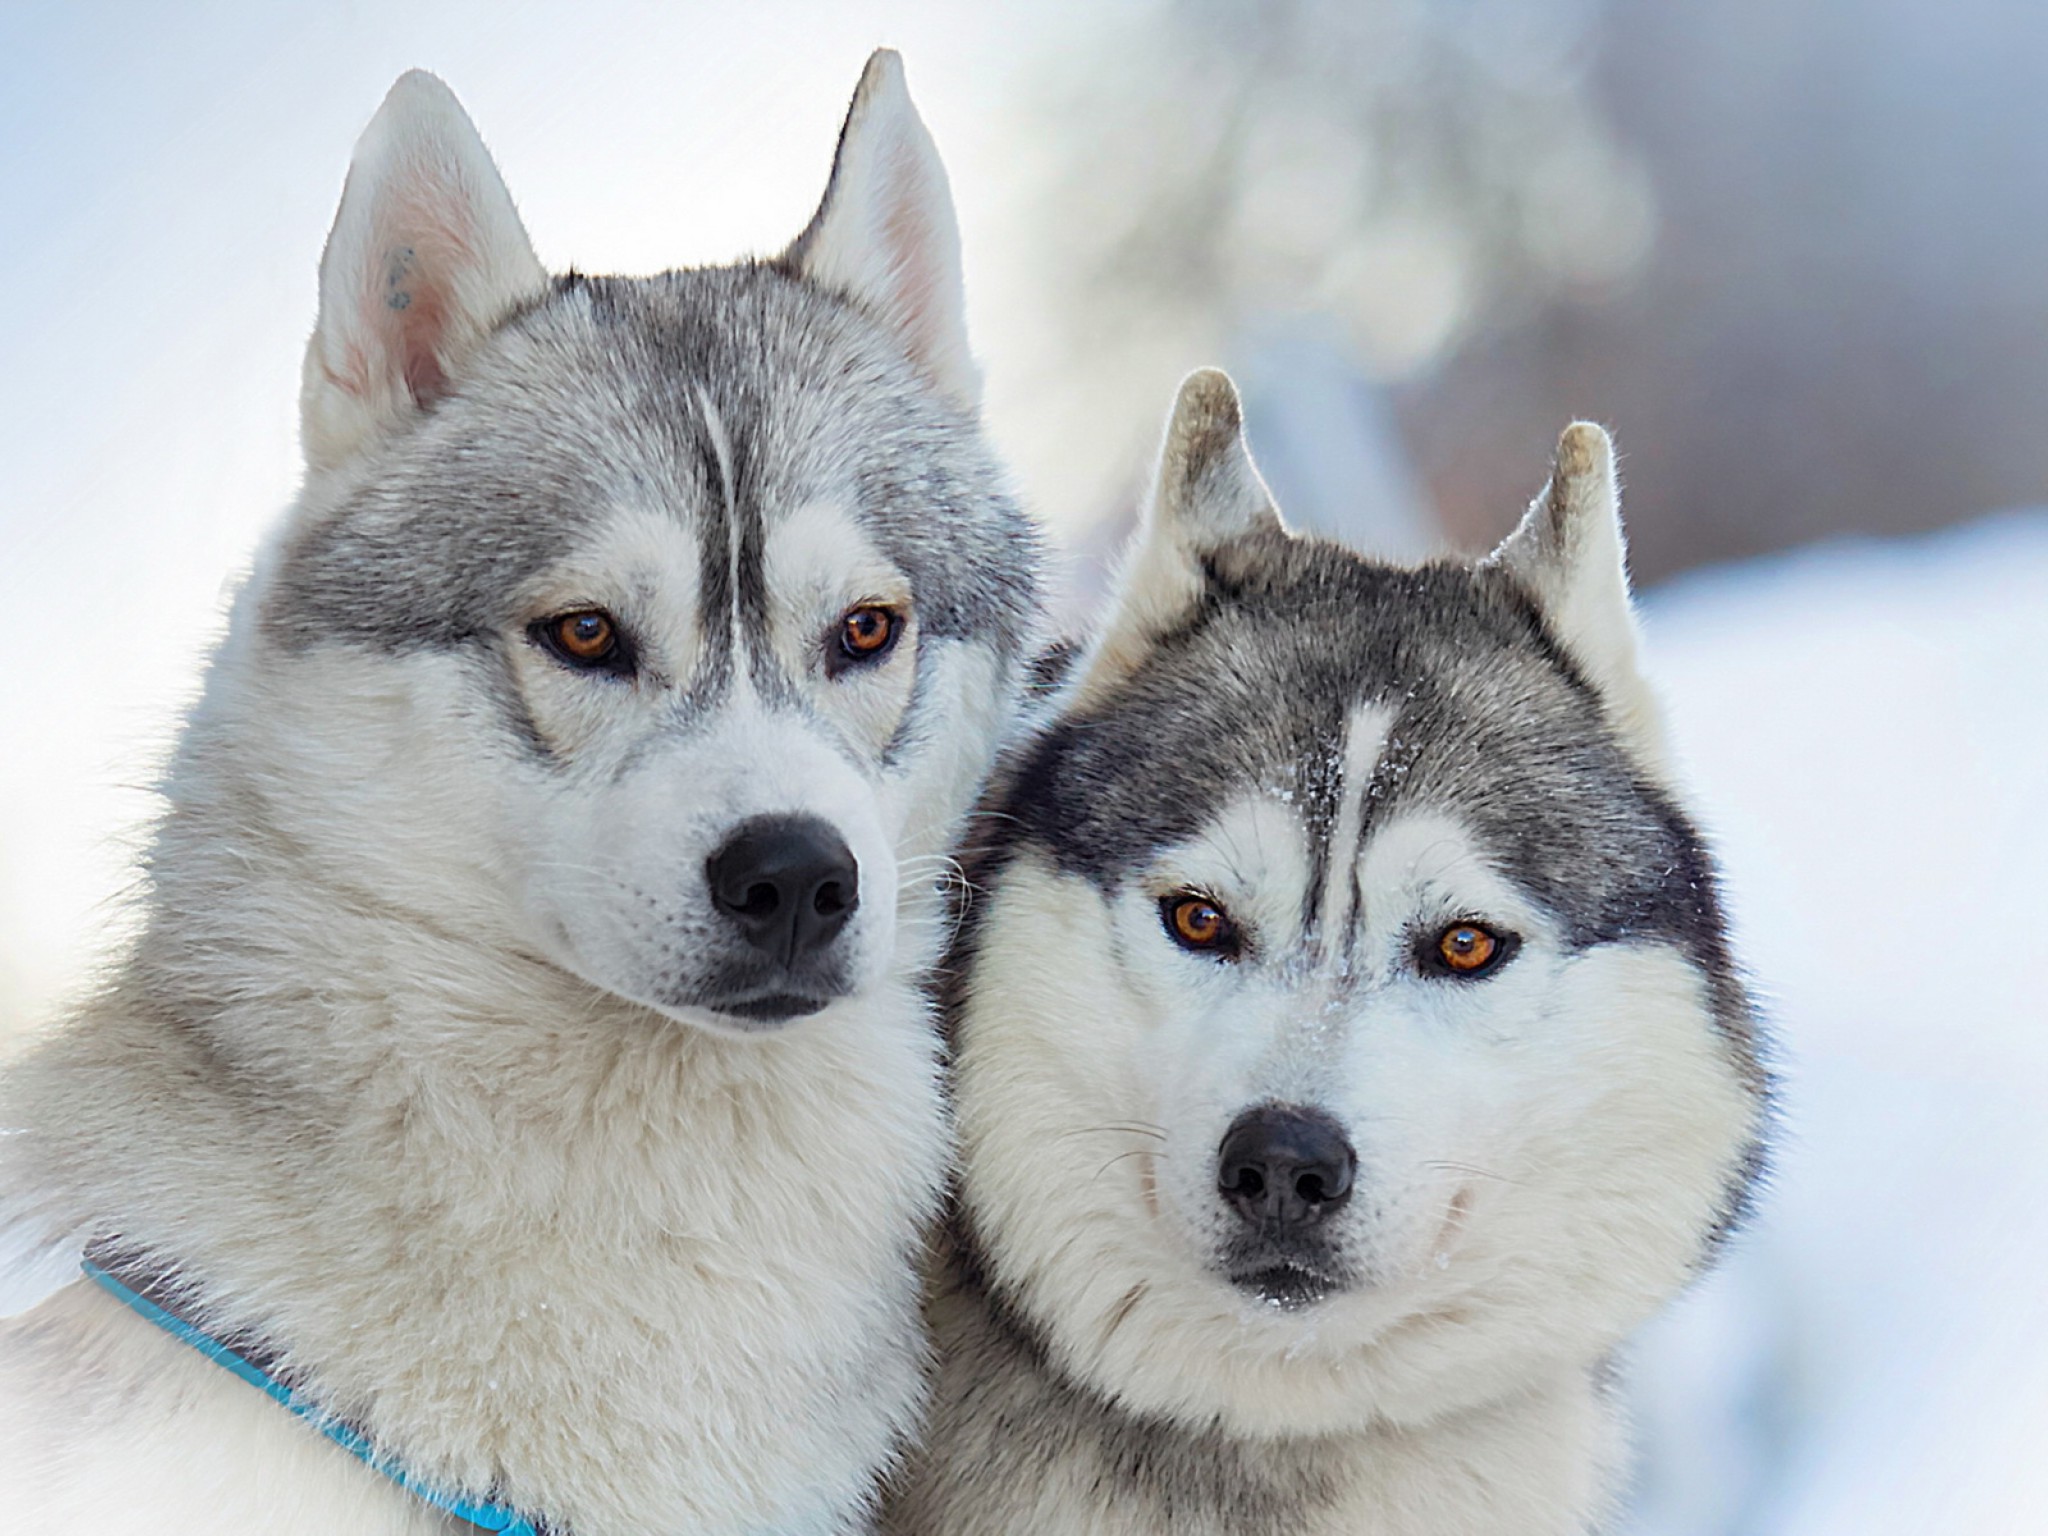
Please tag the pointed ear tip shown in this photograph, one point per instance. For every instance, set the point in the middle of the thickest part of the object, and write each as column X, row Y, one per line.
column 419, row 91
column 418, row 107
column 1584, row 448
column 882, row 76
column 1207, row 399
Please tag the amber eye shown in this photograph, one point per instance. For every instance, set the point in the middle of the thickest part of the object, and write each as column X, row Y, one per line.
column 586, row 636
column 867, row 632
column 1468, row 948
column 588, row 639
column 1193, row 921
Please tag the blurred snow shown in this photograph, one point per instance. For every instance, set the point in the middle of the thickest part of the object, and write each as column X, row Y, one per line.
column 1866, row 727
column 1327, row 446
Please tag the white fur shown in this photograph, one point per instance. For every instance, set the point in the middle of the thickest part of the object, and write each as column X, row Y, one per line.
column 821, row 563
column 1570, row 551
column 534, row 1224
column 886, row 234
column 1540, row 1151
column 1208, row 493
column 610, row 868
column 426, row 255
column 1507, row 1249
column 577, row 1149
column 1498, row 1080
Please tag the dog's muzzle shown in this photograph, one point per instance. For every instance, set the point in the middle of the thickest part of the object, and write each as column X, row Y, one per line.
column 787, row 886
column 1284, row 1170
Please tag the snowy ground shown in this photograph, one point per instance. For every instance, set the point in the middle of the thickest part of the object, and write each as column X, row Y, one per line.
column 1867, row 728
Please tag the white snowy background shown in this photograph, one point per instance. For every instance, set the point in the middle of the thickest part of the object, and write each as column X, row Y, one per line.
column 1867, row 729
column 1865, row 723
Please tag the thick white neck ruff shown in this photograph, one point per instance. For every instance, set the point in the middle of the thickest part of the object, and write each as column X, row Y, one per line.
column 150, row 1296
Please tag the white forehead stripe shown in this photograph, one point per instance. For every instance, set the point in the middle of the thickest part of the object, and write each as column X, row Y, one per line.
column 1365, row 740
column 721, row 447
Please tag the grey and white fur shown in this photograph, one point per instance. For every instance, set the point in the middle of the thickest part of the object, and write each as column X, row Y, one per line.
column 444, row 1065
column 1282, row 1224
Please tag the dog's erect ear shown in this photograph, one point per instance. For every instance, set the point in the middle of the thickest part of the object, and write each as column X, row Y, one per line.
column 426, row 256
column 1570, row 555
column 885, row 234
column 1207, row 496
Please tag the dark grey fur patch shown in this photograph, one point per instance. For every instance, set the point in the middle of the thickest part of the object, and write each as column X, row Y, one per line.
column 590, row 396
column 1007, row 1423
column 1492, row 722
column 492, row 669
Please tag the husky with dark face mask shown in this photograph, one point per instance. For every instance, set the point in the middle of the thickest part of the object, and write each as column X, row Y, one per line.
column 1348, row 1049
column 523, row 1069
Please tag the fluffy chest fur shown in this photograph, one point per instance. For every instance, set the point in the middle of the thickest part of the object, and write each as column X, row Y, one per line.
column 524, row 1037
column 1391, row 1066
column 622, row 1293
column 1017, row 1447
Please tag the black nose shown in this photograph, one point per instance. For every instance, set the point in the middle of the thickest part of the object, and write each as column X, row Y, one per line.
column 788, row 882
column 1286, row 1166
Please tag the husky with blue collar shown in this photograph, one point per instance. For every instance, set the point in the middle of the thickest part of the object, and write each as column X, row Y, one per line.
column 522, row 1080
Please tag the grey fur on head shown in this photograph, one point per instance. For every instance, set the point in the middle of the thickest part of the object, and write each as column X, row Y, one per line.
column 447, row 1065
column 1356, row 773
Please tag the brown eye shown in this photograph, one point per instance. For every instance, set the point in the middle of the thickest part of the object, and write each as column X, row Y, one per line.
column 868, row 632
column 588, row 639
column 585, row 636
column 1468, row 948
column 1195, row 922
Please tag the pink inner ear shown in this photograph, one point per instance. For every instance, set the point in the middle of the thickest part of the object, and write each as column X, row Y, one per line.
column 421, row 326
column 409, row 305
column 908, row 236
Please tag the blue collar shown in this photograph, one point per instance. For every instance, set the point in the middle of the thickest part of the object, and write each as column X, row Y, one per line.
column 149, row 1298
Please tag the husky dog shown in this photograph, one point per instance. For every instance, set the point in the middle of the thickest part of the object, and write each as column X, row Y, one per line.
column 524, row 1061
column 1348, row 1051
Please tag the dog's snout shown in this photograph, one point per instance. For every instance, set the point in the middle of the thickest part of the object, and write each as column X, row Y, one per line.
column 1283, row 1165
column 789, row 883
